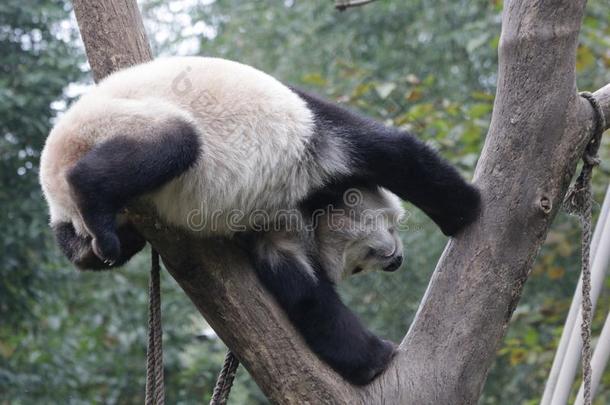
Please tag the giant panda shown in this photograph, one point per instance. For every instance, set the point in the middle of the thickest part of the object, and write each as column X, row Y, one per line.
column 222, row 149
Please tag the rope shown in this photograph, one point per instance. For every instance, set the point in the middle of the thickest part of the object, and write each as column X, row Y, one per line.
column 579, row 202
column 155, row 386
column 225, row 380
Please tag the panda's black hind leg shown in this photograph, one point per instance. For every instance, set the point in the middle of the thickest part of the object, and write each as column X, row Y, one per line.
column 78, row 248
column 126, row 166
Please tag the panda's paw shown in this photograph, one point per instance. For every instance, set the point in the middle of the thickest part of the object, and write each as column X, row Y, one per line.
column 375, row 361
column 464, row 208
column 107, row 248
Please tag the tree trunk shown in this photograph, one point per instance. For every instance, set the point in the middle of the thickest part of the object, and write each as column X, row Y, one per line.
column 539, row 129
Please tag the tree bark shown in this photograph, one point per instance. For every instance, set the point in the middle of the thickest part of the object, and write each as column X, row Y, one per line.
column 343, row 5
column 113, row 34
column 539, row 129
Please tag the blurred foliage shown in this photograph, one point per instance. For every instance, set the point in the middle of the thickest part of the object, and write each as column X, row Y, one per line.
column 35, row 68
column 426, row 66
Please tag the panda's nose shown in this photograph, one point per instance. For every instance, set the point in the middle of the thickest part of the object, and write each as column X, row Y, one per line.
column 394, row 264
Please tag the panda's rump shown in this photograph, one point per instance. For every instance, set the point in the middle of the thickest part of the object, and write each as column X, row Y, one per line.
column 255, row 138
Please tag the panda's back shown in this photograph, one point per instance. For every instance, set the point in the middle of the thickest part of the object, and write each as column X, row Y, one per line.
column 255, row 137
column 206, row 86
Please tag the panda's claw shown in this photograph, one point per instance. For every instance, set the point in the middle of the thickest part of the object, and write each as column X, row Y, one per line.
column 107, row 248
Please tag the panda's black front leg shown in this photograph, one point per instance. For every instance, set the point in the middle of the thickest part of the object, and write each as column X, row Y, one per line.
column 330, row 329
column 115, row 171
column 401, row 163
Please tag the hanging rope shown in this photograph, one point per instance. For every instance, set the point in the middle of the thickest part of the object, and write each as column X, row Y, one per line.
column 155, row 386
column 579, row 202
column 225, row 380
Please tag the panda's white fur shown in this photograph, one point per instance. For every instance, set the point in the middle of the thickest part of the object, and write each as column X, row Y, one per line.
column 255, row 135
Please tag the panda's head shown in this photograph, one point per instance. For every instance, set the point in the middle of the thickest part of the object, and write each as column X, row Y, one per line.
column 359, row 235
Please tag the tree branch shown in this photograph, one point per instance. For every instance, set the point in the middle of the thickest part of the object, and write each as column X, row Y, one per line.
column 343, row 5
column 113, row 34
column 218, row 278
column 538, row 131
